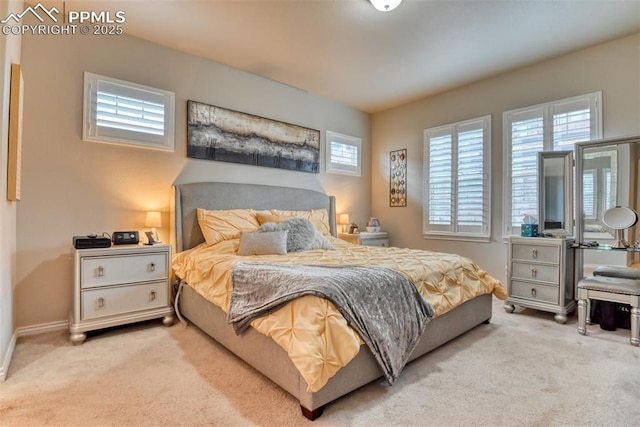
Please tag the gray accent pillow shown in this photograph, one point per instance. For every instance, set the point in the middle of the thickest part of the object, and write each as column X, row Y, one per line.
column 272, row 243
column 321, row 242
column 301, row 233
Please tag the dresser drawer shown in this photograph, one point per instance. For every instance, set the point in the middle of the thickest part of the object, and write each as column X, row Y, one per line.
column 537, row 272
column 123, row 299
column 535, row 291
column 537, row 253
column 117, row 270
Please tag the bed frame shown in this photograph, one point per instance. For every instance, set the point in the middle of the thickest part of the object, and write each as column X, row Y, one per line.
column 262, row 352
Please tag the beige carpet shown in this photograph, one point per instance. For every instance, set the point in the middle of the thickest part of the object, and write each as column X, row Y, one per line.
column 523, row 369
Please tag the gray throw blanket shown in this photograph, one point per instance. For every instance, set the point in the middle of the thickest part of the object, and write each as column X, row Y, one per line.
column 382, row 305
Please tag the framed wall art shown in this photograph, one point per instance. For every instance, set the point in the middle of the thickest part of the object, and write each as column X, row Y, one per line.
column 15, row 133
column 398, row 178
column 215, row 133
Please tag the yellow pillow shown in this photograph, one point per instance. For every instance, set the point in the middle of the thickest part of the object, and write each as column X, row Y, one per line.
column 266, row 216
column 318, row 217
column 220, row 225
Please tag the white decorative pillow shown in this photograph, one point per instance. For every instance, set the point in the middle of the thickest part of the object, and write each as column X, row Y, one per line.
column 266, row 243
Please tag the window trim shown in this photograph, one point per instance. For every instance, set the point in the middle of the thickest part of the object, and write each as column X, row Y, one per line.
column 595, row 102
column 333, row 167
column 90, row 130
column 484, row 237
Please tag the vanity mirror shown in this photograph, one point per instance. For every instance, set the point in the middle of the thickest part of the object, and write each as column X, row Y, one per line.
column 555, row 192
column 609, row 177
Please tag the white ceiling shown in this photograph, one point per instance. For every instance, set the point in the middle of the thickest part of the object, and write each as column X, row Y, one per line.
column 347, row 51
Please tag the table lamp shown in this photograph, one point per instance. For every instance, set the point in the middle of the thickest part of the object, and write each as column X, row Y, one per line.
column 343, row 220
column 153, row 221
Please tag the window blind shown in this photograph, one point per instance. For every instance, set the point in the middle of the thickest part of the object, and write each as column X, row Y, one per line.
column 343, row 154
column 457, row 202
column 121, row 112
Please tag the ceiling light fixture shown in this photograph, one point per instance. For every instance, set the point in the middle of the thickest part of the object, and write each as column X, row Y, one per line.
column 385, row 5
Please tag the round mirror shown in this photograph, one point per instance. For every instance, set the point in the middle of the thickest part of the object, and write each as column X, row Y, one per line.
column 620, row 218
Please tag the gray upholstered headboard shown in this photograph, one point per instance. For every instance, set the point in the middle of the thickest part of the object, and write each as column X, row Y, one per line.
column 224, row 195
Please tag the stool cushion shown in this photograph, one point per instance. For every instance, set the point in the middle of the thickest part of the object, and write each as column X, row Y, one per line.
column 618, row 271
column 610, row 284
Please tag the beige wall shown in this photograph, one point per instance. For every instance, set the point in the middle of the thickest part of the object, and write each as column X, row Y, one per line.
column 613, row 68
column 72, row 187
column 9, row 53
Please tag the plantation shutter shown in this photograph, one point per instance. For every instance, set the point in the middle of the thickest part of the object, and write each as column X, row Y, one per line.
column 457, row 199
column 527, row 138
column 441, row 181
column 127, row 113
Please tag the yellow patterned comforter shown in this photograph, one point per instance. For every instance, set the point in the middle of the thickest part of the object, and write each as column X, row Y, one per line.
column 312, row 331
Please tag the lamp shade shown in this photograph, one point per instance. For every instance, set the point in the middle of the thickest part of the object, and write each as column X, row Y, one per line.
column 343, row 219
column 385, row 5
column 153, row 220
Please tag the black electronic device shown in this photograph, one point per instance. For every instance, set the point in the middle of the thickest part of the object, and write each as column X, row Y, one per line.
column 91, row 241
column 125, row 238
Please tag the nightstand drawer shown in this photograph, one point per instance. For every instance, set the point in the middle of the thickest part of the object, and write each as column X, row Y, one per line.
column 535, row 291
column 537, row 253
column 537, row 272
column 123, row 299
column 375, row 242
column 117, row 270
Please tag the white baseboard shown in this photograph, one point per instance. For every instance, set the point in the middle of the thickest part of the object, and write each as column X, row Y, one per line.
column 42, row 328
column 6, row 360
column 23, row 332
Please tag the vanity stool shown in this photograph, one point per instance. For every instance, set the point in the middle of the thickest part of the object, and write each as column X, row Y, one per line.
column 612, row 289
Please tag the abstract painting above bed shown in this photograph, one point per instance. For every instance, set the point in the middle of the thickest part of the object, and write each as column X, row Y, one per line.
column 216, row 133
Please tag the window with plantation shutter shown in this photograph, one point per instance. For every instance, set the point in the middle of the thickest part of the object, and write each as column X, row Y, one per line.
column 126, row 113
column 554, row 126
column 589, row 193
column 457, row 159
column 343, row 154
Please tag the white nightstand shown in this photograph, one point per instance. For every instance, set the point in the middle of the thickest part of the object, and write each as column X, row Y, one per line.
column 119, row 285
column 380, row 238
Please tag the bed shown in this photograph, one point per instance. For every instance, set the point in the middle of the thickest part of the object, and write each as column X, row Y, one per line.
column 263, row 352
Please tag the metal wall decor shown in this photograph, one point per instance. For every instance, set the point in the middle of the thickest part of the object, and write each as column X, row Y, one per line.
column 215, row 133
column 398, row 178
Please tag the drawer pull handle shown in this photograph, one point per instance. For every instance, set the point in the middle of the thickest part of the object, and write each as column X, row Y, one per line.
column 100, row 303
column 152, row 266
column 152, row 295
column 534, row 253
column 533, row 292
column 100, row 271
column 534, row 272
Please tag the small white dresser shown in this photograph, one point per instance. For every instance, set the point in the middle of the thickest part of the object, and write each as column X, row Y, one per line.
column 540, row 275
column 380, row 238
column 119, row 285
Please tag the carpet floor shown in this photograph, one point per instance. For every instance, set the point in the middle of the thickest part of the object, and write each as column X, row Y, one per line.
column 522, row 369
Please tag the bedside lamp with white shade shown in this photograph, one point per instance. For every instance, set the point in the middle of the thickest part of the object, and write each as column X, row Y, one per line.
column 153, row 221
column 343, row 220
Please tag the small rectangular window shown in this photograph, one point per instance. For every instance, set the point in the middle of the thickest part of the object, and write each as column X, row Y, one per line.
column 126, row 113
column 343, row 154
